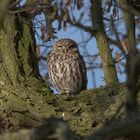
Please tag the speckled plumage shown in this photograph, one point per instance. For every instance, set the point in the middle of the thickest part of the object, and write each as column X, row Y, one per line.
column 66, row 67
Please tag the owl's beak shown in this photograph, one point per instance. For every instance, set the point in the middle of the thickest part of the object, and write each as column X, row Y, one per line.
column 64, row 49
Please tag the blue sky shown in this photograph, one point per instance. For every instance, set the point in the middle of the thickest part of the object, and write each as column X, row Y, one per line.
column 95, row 77
column 79, row 36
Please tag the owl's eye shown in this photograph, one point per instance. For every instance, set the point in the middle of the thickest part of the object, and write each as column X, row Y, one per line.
column 72, row 46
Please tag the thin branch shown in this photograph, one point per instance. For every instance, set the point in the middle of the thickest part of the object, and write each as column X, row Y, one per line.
column 121, row 59
column 84, row 27
column 117, row 37
column 15, row 3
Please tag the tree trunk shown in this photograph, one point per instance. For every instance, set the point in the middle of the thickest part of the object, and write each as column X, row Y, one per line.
column 25, row 99
column 103, row 44
column 17, row 49
column 21, row 88
column 130, row 24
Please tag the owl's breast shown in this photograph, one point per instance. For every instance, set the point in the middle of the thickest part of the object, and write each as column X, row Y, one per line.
column 66, row 72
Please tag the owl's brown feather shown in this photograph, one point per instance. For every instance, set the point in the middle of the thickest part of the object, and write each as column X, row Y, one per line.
column 66, row 67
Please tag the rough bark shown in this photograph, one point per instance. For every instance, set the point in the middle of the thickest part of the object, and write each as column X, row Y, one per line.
column 109, row 69
column 21, row 87
column 17, row 49
column 84, row 114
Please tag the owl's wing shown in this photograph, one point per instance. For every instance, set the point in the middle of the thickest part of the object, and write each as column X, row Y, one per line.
column 83, row 70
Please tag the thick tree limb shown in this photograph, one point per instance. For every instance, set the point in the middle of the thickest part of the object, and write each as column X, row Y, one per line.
column 51, row 129
column 118, row 129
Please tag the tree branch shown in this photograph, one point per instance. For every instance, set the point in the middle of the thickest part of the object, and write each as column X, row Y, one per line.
column 84, row 27
column 118, row 129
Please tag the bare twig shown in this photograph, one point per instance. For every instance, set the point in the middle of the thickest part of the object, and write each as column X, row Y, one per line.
column 84, row 27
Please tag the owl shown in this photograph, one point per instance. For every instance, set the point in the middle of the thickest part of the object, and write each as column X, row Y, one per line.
column 66, row 67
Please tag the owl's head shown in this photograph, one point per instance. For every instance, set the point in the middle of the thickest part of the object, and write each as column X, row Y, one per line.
column 65, row 45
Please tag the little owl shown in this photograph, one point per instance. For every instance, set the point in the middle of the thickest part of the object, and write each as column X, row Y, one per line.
column 66, row 67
